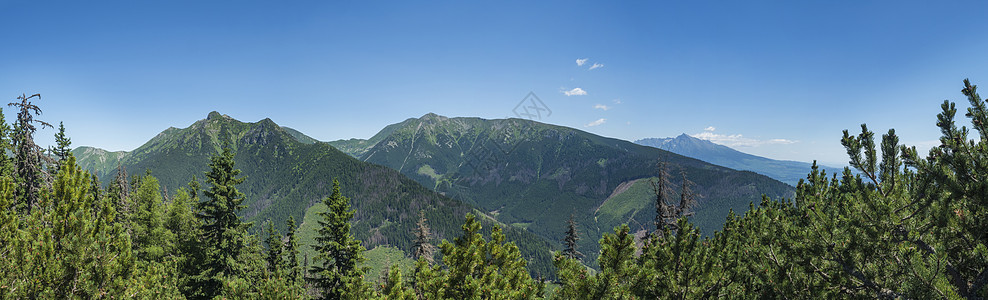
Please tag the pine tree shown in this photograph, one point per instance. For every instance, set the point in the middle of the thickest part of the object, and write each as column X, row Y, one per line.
column 394, row 286
column 28, row 157
column 338, row 276
column 477, row 269
column 572, row 237
column 423, row 249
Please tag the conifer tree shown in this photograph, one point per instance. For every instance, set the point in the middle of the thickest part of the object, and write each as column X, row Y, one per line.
column 477, row 269
column 664, row 211
column 63, row 144
column 291, row 253
column 119, row 193
column 152, row 240
column 274, row 255
column 224, row 234
column 6, row 146
column 338, row 275
column 28, row 157
column 572, row 237
column 394, row 286
column 423, row 249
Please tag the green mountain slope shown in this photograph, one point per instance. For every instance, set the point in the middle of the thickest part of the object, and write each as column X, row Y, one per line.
column 357, row 147
column 285, row 177
column 782, row 170
column 534, row 175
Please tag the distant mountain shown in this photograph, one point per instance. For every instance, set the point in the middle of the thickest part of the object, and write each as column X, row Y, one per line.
column 783, row 170
column 287, row 172
column 534, row 175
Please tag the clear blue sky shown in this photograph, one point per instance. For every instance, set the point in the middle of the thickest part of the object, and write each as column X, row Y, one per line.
column 779, row 79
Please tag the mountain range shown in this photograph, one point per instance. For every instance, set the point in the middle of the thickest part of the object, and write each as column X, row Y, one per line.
column 528, row 176
column 287, row 173
column 534, row 175
column 782, row 170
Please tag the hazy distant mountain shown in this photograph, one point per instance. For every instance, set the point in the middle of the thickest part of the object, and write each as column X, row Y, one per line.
column 287, row 172
column 534, row 175
column 783, row 170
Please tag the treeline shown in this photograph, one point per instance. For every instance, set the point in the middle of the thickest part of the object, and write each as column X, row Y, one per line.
column 903, row 227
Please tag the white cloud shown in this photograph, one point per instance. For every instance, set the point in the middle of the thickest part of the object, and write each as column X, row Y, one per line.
column 601, row 106
column 595, row 123
column 575, row 92
column 617, row 101
column 596, row 65
column 738, row 140
column 581, row 61
column 711, row 128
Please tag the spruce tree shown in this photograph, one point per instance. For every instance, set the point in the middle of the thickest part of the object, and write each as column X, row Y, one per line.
column 63, row 144
column 291, row 253
column 224, row 234
column 572, row 237
column 338, row 276
column 119, row 194
column 274, row 255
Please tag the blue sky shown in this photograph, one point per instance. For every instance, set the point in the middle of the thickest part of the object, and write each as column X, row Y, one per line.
column 778, row 79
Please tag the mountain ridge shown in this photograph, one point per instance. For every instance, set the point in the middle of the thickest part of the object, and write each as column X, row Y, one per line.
column 533, row 175
column 786, row 171
column 286, row 177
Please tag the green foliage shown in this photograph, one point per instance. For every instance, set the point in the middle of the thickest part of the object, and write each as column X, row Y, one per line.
column 63, row 144
column 275, row 261
column 6, row 146
column 152, row 240
column 338, row 275
column 293, row 270
column 224, row 235
column 288, row 178
column 477, row 269
column 904, row 227
column 68, row 247
column 520, row 171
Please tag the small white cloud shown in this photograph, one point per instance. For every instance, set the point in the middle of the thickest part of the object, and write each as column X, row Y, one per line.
column 596, row 65
column 617, row 101
column 575, row 92
column 596, row 123
column 738, row 140
column 601, row 106
column 581, row 61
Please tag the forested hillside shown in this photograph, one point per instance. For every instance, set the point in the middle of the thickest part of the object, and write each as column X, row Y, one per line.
column 285, row 177
column 534, row 175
